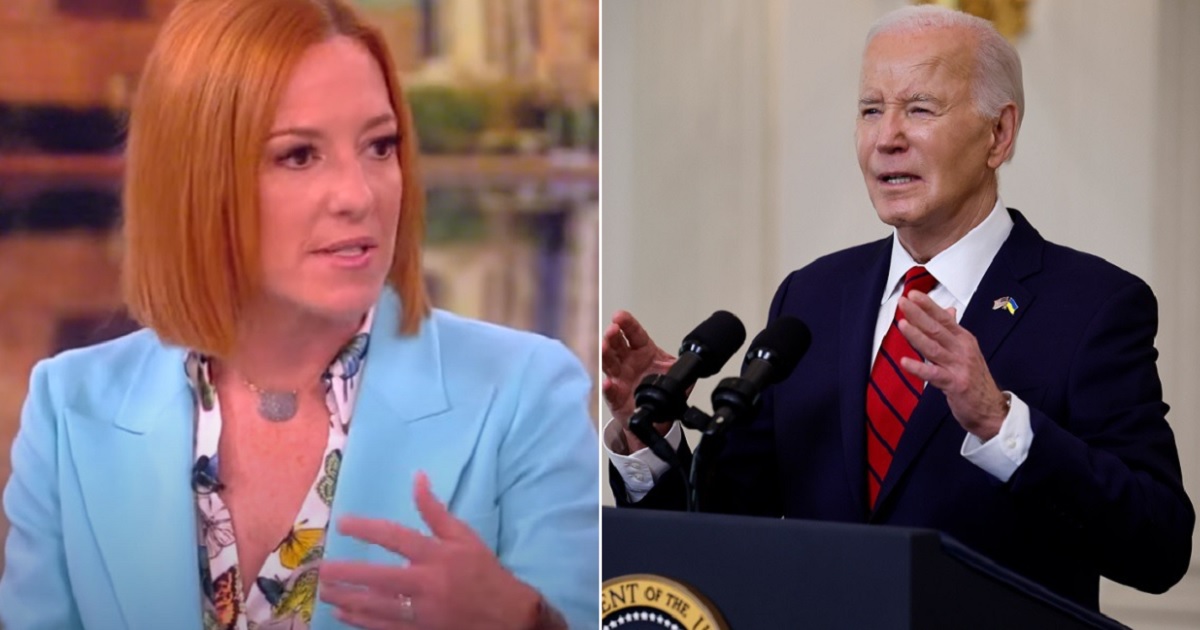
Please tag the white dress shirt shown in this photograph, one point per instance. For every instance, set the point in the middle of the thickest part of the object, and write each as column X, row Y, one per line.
column 958, row 269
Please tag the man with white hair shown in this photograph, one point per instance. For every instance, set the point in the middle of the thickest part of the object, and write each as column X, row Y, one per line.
column 965, row 374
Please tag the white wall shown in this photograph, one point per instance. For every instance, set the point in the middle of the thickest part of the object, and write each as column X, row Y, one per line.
column 728, row 161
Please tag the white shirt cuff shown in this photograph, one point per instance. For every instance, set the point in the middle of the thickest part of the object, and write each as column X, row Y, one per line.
column 641, row 469
column 1006, row 451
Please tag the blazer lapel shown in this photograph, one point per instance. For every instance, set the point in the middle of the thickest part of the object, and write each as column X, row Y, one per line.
column 1019, row 257
column 141, row 509
column 860, row 306
column 402, row 423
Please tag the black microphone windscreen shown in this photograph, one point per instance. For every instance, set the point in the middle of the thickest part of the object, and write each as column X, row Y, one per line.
column 719, row 336
column 786, row 339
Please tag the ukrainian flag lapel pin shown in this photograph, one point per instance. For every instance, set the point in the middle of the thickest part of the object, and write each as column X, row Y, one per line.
column 1005, row 303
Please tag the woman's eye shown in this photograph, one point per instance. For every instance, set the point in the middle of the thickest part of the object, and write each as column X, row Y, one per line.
column 383, row 148
column 298, row 157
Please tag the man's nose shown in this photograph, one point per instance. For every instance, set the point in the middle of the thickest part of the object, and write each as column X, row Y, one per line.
column 892, row 132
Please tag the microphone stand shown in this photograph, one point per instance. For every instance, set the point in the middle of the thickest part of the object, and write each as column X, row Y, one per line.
column 659, row 401
column 772, row 355
column 712, row 442
column 642, row 424
column 734, row 398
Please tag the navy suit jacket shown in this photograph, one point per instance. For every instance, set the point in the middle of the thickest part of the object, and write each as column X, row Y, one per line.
column 1100, row 492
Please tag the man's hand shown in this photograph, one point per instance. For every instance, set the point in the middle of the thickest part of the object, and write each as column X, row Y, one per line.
column 954, row 365
column 628, row 355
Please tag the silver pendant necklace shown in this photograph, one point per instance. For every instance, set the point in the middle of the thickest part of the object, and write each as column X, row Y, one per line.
column 276, row 406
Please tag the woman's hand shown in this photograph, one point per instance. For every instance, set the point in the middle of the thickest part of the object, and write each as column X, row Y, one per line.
column 453, row 579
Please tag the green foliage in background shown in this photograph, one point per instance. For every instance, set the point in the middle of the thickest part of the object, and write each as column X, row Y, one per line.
column 574, row 127
column 453, row 215
column 448, row 119
column 499, row 118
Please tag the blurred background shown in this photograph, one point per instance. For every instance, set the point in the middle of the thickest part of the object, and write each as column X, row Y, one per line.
column 729, row 161
column 505, row 94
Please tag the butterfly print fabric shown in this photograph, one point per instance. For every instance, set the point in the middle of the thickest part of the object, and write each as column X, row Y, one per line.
column 283, row 594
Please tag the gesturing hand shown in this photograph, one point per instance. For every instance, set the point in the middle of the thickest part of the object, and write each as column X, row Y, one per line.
column 453, row 579
column 955, row 365
column 628, row 355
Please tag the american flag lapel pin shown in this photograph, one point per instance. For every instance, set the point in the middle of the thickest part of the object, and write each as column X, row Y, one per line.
column 1005, row 303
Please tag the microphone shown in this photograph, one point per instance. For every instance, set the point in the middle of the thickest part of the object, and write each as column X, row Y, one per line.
column 772, row 356
column 663, row 397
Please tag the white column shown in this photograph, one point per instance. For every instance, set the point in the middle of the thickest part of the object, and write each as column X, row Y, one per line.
column 467, row 36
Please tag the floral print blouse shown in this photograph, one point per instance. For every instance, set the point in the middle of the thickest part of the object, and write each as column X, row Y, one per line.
column 283, row 594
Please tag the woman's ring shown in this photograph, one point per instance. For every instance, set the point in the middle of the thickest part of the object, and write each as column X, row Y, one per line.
column 406, row 607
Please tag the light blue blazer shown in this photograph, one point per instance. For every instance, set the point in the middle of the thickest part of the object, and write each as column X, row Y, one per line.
column 103, row 520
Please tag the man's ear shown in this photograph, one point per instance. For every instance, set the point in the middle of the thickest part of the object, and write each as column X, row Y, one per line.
column 1004, row 136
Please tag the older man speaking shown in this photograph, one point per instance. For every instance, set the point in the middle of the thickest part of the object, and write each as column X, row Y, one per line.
column 965, row 374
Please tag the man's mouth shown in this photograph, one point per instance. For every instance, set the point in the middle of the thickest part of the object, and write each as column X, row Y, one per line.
column 898, row 178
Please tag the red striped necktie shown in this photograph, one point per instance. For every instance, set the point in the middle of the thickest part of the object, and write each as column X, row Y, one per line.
column 892, row 393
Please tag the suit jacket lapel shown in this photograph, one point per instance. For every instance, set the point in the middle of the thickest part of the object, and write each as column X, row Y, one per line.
column 1018, row 258
column 141, row 509
column 402, row 423
column 860, row 306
